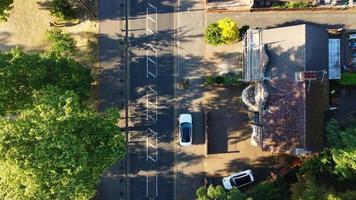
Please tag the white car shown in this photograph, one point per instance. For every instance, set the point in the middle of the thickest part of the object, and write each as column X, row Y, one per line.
column 185, row 129
column 238, row 179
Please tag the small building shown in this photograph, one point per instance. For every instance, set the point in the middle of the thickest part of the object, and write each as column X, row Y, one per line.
column 288, row 72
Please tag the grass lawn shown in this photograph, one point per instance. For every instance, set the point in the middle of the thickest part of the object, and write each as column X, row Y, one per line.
column 28, row 23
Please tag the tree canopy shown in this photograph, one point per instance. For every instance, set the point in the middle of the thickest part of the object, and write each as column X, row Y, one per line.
column 57, row 149
column 307, row 188
column 5, row 6
column 21, row 74
column 219, row 193
column 343, row 148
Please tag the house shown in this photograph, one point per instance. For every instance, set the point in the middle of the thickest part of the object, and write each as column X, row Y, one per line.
column 288, row 94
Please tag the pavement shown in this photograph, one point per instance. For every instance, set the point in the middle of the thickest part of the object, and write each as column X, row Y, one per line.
column 112, row 87
column 273, row 19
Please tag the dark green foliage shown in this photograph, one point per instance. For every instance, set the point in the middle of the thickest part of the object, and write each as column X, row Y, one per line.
column 284, row 4
column 243, row 30
column 61, row 9
column 343, row 149
column 219, row 193
column 213, row 35
column 5, row 6
column 348, row 79
column 219, row 80
column 227, row 80
column 332, row 133
column 61, row 43
column 21, row 74
column 268, row 191
column 57, row 149
column 307, row 189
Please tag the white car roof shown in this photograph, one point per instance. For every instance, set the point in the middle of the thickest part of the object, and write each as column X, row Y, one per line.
column 185, row 118
column 352, row 36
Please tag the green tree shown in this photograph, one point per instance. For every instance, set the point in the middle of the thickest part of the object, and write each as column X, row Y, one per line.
column 268, row 191
column 5, row 6
column 229, row 31
column 61, row 43
column 307, row 189
column 213, row 35
column 343, row 148
column 57, row 149
column 219, row 193
column 61, row 9
column 21, row 74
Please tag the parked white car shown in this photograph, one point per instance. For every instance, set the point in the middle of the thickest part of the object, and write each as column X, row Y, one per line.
column 238, row 179
column 185, row 129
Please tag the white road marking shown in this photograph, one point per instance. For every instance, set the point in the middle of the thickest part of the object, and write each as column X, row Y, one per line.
column 149, row 145
column 146, row 185
column 151, row 62
column 156, row 185
column 150, row 104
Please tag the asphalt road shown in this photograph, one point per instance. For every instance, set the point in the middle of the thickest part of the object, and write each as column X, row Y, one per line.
column 151, row 108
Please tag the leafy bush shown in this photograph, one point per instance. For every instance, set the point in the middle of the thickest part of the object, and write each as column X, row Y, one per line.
column 348, row 79
column 229, row 31
column 219, row 193
column 213, row 35
column 5, row 6
column 61, row 43
column 210, row 80
column 61, row 9
column 219, row 80
column 284, row 4
column 243, row 30
column 227, row 80
column 332, row 133
column 223, row 32
column 268, row 191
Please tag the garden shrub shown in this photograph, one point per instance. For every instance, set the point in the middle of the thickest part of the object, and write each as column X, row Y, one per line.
column 284, row 4
column 5, row 6
column 61, row 9
column 348, row 79
column 213, row 35
column 61, row 43
column 229, row 31
column 227, row 80
column 223, row 32
column 243, row 30
column 219, row 80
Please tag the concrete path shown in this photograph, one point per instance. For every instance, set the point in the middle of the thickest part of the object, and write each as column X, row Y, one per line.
column 191, row 65
column 112, row 86
column 273, row 19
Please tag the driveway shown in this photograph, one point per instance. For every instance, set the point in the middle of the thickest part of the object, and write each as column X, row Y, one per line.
column 228, row 121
